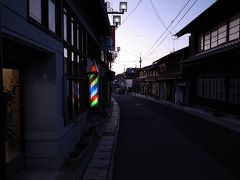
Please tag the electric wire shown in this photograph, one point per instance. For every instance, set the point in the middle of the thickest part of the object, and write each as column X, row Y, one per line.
column 167, row 28
column 174, row 25
column 158, row 16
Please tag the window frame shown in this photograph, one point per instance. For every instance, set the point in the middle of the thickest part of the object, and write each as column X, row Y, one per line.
column 55, row 15
column 44, row 24
column 75, row 62
column 29, row 11
column 207, row 40
column 222, row 36
column 222, row 30
column 237, row 26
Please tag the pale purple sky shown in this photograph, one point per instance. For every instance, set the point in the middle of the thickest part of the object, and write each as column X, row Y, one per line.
column 140, row 31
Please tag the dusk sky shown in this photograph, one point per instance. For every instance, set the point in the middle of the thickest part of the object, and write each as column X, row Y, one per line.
column 148, row 27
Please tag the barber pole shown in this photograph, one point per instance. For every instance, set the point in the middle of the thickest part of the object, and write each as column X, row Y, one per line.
column 94, row 86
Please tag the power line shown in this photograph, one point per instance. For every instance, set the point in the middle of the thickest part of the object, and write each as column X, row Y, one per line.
column 180, row 11
column 167, row 28
column 185, row 13
column 176, row 24
column 159, row 18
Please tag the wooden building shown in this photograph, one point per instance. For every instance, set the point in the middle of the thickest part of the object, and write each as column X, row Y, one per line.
column 212, row 71
column 170, row 79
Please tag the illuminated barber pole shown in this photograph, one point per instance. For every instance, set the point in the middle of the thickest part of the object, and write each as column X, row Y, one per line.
column 94, row 86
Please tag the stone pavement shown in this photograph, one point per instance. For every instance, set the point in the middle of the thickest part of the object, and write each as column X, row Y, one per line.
column 101, row 164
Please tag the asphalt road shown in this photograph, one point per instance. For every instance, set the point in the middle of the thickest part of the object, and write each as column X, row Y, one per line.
column 157, row 142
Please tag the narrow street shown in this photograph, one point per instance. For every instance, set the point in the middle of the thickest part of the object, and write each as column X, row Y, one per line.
column 162, row 143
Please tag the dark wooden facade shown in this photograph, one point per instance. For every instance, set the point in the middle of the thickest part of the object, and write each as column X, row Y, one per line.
column 163, row 79
column 212, row 71
column 206, row 73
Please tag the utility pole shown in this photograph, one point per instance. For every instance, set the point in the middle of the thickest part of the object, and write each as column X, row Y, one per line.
column 140, row 61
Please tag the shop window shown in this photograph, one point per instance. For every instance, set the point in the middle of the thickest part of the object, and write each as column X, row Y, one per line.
column 73, row 85
column 72, row 95
column 35, row 10
column 11, row 86
column 51, row 16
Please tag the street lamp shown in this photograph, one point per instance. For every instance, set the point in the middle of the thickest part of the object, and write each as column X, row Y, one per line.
column 116, row 20
column 116, row 23
column 122, row 8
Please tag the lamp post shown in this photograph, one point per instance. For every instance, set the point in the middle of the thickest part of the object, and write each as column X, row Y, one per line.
column 116, row 23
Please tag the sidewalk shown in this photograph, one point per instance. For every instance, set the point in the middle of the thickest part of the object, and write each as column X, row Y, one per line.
column 101, row 164
column 96, row 163
column 228, row 121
